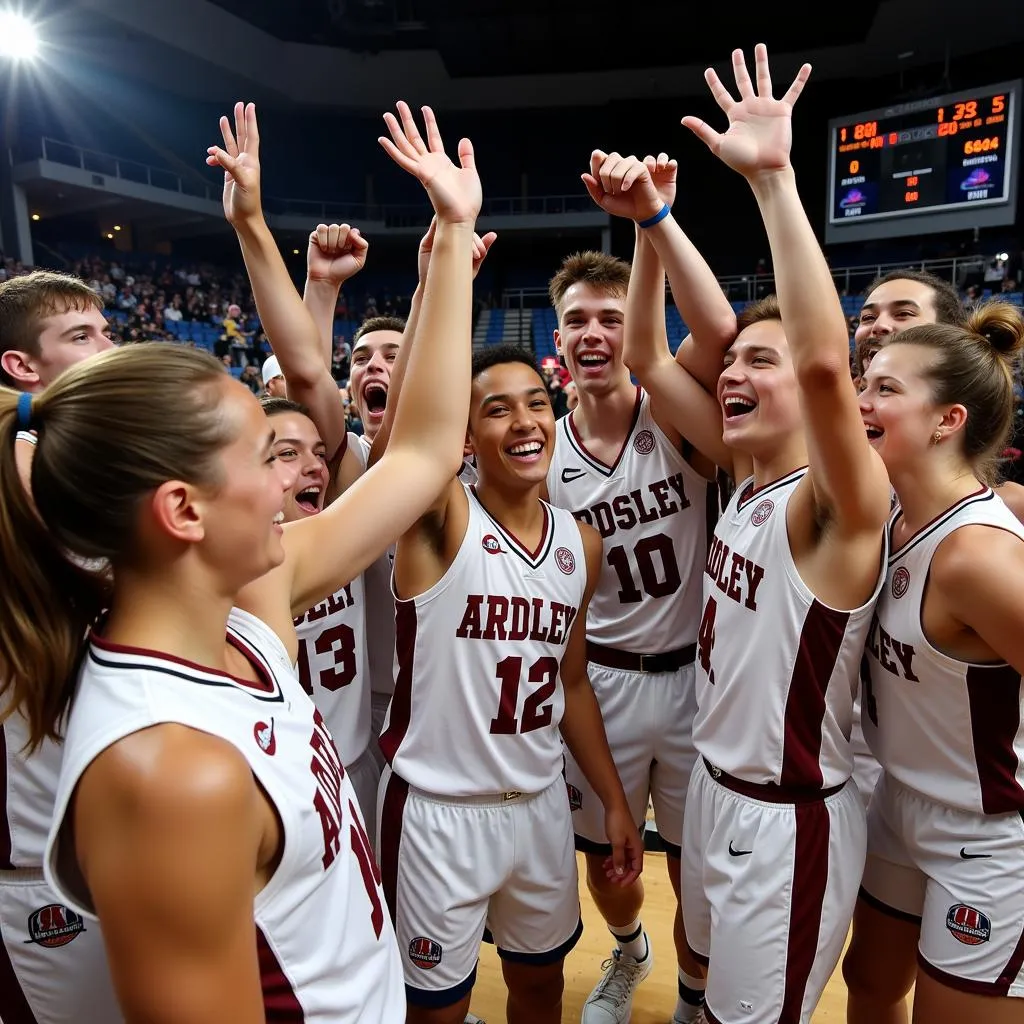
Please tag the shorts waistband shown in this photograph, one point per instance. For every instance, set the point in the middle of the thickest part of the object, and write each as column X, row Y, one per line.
column 511, row 796
column 627, row 661
column 22, row 875
column 769, row 792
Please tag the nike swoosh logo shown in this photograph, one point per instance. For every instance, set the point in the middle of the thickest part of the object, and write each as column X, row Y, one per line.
column 738, row 853
column 964, row 855
column 568, row 475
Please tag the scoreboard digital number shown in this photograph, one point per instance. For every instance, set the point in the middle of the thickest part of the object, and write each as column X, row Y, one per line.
column 946, row 163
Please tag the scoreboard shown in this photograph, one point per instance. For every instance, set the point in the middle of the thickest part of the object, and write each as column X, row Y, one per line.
column 941, row 164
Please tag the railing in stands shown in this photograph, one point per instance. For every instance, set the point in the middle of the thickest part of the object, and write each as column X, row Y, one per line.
column 747, row 287
column 195, row 184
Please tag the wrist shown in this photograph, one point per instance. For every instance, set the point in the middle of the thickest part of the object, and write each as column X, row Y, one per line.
column 250, row 225
column 654, row 218
column 768, row 183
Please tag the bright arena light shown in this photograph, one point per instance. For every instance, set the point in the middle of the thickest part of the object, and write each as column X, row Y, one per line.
column 19, row 39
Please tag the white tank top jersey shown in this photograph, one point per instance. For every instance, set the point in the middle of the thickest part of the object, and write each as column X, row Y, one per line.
column 327, row 951
column 332, row 666
column 655, row 514
column 28, row 784
column 777, row 670
column 478, row 690
column 380, row 605
column 950, row 730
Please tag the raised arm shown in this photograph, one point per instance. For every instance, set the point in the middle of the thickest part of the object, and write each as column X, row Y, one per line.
column 430, row 424
column 848, row 479
column 335, row 253
column 291, row 329
column 627, row 187
column 481, row 246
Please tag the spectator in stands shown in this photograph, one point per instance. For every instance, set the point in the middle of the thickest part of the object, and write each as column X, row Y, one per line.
column 273, row 379
column 252, row 379
column 173, row 311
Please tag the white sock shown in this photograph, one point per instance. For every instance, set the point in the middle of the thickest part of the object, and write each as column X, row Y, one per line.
column 631, row 939
column 691, row 998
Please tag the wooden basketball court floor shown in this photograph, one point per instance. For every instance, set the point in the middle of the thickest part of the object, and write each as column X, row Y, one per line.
column 656, row 998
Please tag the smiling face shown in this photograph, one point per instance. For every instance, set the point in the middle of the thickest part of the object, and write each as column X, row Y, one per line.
column 511, row 426
column 893, row 307
column 757, row 391
column 372, row 359
column 298, row 446
column 589, row 338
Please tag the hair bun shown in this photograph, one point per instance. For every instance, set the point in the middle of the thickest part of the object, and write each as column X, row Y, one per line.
column 1000, row 324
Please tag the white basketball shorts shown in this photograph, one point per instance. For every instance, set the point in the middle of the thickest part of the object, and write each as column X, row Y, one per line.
column 768, row 894
column 961, row 875
column 53, row 968
column 450, row 867
column 648, row 717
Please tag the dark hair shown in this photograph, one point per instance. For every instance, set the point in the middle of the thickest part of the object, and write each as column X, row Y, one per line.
column 273, row 405
column 494, row 355
column 378, row 323
column 762, row 309
column 973, row 365
column 26, row 300
column 948, row 307
column 597, row 269
column 110, row 430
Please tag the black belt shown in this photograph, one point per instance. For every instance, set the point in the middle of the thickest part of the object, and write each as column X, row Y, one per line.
column 666, row 661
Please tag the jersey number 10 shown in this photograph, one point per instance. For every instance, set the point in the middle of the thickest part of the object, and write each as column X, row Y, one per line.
column 661, row 545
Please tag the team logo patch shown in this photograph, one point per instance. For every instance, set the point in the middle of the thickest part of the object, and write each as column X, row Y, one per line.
column 762, row 512
column 54, row 925
column 967, row 925
column 900, row 582
column 425, row 953
column 643, row 443
column 491, row 546
column 565, row 561
column 265, row 738
column 575, row 797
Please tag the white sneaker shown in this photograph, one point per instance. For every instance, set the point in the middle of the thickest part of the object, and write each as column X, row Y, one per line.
column 471, row 1019
column 612, row 998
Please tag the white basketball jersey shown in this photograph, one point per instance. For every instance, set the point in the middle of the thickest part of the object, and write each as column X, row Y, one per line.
column 332, row 666
column 655, row 514
column 327, row 950
column 28, row 784
column 950, row 730
column 777, row 670
column 380, row 606
column 478, row 688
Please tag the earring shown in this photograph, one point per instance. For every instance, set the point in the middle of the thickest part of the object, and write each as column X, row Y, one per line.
column 937, row 437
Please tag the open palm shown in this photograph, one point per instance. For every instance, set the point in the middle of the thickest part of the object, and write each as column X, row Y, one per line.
column 760, row 133
column 240, row 159
column 454, row 189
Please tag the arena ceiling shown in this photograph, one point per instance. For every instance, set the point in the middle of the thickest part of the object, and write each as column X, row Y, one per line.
column 493, row 54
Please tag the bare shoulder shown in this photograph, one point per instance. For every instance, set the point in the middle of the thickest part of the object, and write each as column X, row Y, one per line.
column 1013, row 497
column 975, row 558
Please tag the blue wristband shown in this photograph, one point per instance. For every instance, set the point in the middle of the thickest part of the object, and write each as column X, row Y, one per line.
column 657, row 218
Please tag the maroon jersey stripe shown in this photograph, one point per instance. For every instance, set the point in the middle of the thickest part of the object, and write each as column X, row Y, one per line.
column 392, row 811
column 6, row 842
column 12, row 1000
column 810, row 877
column 821, row 638
column 994, row 694
column 280, row 1003
column 401, row 701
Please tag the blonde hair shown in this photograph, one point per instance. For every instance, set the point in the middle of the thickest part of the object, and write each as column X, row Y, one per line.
column 973, row 365
column 110, row 431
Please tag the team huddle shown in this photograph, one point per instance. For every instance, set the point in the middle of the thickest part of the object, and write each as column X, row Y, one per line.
column 296, row 719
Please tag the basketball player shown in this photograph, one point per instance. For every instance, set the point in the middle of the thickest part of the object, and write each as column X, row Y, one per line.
column 53, row 961
column 943, row 701
column 332, row 635
column 981, row 350
column 773, row 837
column 621, row 466
column 187, row 802
column 491, row 592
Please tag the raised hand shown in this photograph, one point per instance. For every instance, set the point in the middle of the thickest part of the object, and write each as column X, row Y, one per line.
column 481, row 247
column 760, row 132
column 454, row 190
column 336, row 252
column 240, row 159
column 624, row 186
